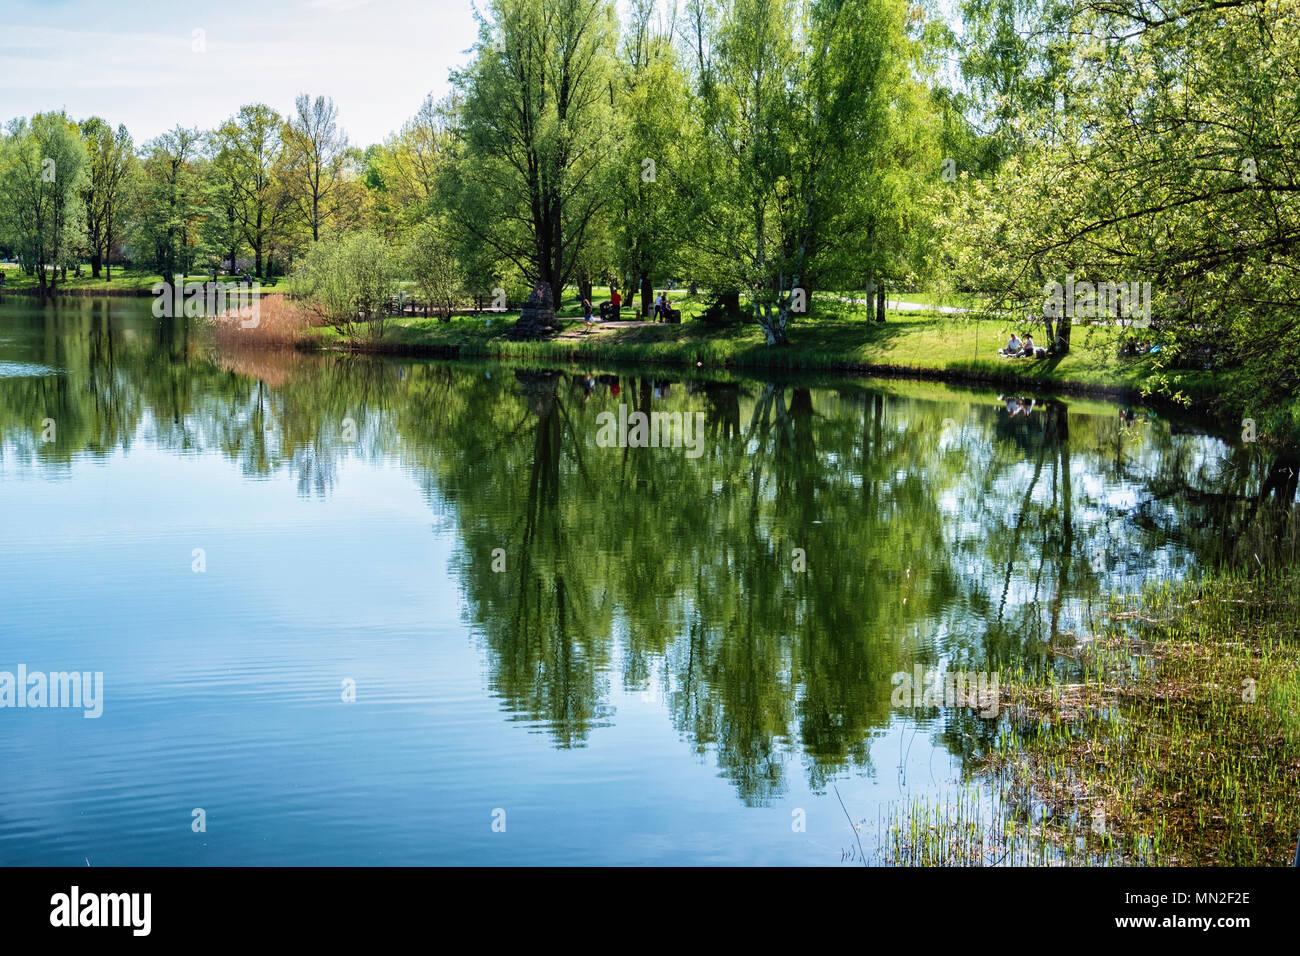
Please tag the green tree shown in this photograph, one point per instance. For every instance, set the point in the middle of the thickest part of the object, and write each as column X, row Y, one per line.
column 43, row 169
column 247, row 151
column 801, row 103
column 654, row 136
column 168, row 204
column 112, row 164
column 316, row 151
column 532, row 135
column 347, row 281
column 429, row 261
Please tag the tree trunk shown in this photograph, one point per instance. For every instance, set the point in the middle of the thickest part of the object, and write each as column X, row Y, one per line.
column 880, row 304
column 1062, row 342
column 96, row 264
column 647, row 293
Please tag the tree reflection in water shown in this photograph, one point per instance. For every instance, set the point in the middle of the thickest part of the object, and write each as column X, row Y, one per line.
column 973, row 545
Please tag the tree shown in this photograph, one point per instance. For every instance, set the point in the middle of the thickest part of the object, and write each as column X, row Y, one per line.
column 112, row 163
column 405, row 169
column 315, row 153
column 532, row 135
column 429, row 261
column 42, row 173
column 221, row 235
column 800, row 103
column 168, row 202
column 347, row 281
column 654, row 136
column 1160, row 173
column 247, row 151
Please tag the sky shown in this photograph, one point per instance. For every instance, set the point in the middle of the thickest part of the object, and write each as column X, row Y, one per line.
column 145, row 63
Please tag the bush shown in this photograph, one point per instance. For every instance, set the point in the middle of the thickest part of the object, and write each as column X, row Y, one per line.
column 346, row 282
column 430, row 263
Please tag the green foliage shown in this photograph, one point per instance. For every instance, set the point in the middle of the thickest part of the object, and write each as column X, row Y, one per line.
column 249, row 152
column 1168, row 159
column 168, row 202
column 532, row 134
column 813, row 144
column 428, row 260
column 346, row 282
column 44, row 167
column 112, row 166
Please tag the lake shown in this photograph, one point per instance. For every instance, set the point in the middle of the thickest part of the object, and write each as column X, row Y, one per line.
column 353, row 610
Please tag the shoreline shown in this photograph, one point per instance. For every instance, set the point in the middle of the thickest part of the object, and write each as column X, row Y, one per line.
column 554, row 351
column 723, row 353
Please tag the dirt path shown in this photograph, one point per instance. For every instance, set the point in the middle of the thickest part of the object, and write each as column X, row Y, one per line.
column 598, row 327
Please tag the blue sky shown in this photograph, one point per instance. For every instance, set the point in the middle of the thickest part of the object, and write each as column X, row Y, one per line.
column 135, row 62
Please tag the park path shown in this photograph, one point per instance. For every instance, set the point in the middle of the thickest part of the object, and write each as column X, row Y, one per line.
column 610, row 326
column 899, row 306
column 896, row 305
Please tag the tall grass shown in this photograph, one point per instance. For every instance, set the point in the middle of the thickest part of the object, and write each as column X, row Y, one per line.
column 1172, row 738
column 280, row 322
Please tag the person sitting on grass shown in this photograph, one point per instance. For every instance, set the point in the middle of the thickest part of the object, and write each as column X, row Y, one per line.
column 1013, row 347
column 1028, row 349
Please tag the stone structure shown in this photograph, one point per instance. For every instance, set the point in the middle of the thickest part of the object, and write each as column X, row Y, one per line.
column 537, row 317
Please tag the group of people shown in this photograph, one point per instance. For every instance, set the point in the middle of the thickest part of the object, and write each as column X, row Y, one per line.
column 1016, row 348
column 662, row 313
column 1131, row 347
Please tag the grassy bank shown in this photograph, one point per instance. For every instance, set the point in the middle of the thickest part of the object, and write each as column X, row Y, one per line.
column 839, row 337
column 137, row 282
column 1172, row 737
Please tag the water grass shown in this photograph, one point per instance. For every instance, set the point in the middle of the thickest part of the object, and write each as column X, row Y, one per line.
column 1171, row 738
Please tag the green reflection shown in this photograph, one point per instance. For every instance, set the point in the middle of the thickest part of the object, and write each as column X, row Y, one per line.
column 937, row 527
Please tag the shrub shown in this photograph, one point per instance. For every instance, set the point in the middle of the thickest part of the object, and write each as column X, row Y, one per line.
column 346, row 281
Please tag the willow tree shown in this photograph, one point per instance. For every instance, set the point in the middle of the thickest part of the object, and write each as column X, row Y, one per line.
column 1174, row 165
column 799, row 102
column 655, row 135
column 532, row 134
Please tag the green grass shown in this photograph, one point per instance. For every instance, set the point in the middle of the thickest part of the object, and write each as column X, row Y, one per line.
column 956, row 299
column 837, row 336
column 124, row 280
column 1170, row 738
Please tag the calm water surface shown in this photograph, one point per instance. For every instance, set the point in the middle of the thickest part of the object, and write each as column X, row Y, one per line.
column 609, row 650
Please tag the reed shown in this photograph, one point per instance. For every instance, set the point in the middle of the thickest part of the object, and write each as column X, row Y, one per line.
column 1173, row 738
